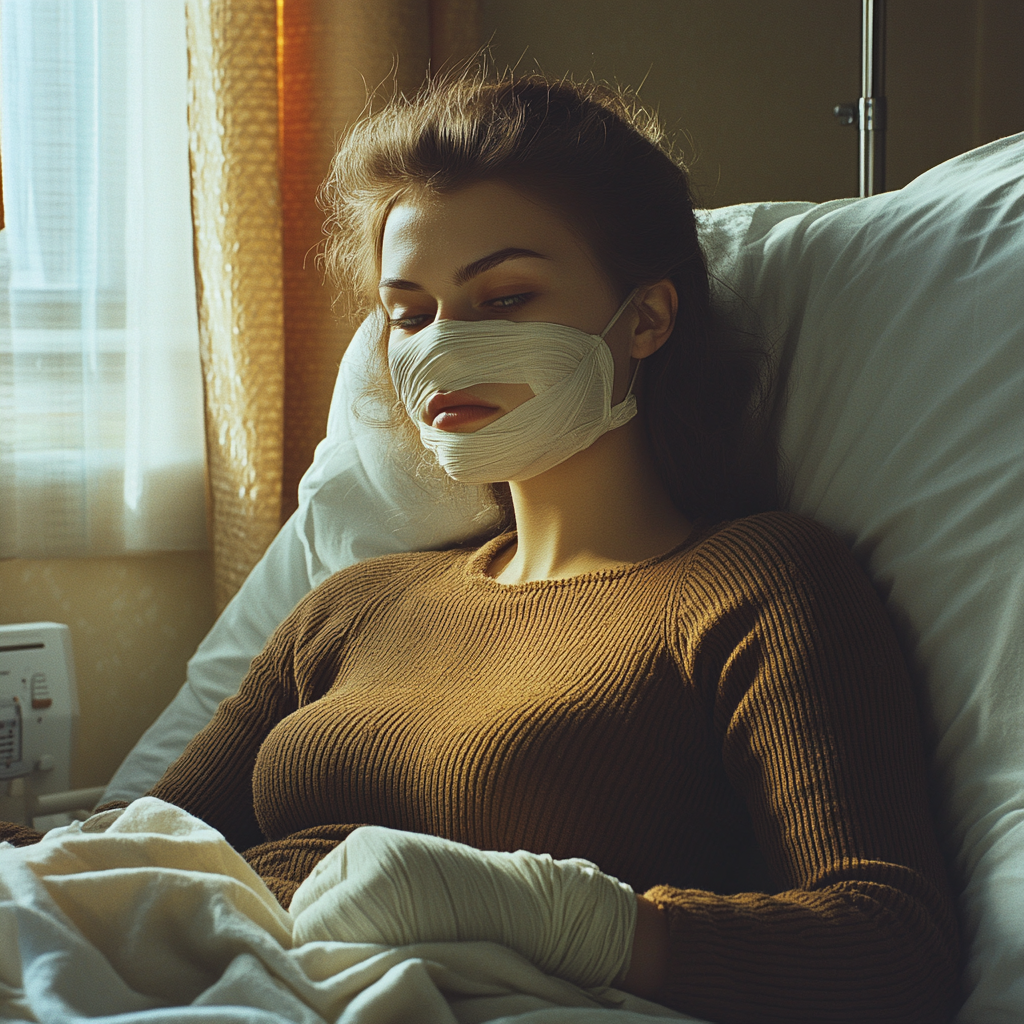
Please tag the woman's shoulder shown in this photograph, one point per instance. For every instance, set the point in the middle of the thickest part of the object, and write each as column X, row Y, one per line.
column 772, row 551
column 772, row 534
column 353, row 590
column 399, row 568
column 785, row 578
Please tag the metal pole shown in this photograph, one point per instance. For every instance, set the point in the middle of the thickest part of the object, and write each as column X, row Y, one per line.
column 872, row 98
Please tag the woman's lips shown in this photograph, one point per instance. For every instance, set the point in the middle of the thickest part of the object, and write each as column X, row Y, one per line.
column 461, row 416
column 447, row 410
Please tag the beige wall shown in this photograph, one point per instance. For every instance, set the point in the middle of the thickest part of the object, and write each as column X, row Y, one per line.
column 955, row 79
column 135, row 622
column 748, row 87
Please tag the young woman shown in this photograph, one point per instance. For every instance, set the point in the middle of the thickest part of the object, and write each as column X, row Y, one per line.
column 651, row 670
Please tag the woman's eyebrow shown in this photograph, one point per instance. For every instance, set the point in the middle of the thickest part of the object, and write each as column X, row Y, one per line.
column 470, row 270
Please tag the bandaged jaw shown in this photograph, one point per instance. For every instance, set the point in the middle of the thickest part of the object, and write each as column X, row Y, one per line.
column 570, row 372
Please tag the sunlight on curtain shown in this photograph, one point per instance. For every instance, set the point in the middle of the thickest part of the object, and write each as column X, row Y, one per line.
column 273, row 85
column 233, row 134
column 101, row 414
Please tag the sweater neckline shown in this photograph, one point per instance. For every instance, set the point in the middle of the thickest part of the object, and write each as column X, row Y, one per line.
column 479, row 561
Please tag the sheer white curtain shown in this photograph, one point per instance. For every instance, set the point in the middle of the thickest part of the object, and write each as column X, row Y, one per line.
column 101, row 414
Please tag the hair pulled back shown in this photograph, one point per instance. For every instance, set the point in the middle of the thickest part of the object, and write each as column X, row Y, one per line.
column 600, row 161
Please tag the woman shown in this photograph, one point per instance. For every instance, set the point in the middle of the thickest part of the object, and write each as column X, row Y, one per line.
column 651, row 671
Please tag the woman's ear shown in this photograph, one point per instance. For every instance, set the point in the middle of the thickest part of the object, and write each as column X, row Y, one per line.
column 656, row 305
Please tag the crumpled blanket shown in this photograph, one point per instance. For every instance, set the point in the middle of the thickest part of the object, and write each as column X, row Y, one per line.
column 148, row 915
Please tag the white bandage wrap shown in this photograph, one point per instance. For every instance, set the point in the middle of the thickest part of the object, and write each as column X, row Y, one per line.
column 571, row 374
column 398, row 888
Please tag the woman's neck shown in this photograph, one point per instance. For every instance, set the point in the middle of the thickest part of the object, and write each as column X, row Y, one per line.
column 605, row 506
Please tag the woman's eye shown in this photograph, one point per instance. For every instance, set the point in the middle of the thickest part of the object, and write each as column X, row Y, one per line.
column 509, row 301
column 414, row 321
column 408, row 323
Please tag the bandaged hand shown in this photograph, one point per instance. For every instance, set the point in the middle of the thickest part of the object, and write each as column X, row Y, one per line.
column 398, row 888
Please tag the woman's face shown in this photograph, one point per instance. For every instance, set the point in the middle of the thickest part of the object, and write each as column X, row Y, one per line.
column 487, row 252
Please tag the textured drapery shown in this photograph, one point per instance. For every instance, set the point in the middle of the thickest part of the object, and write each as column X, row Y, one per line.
column 236, row 211
column 273, row 84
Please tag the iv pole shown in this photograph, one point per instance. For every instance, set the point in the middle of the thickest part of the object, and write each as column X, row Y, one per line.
column 872, row 98
column 869, row 112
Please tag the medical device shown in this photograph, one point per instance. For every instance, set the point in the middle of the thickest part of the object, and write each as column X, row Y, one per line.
column 38, row 719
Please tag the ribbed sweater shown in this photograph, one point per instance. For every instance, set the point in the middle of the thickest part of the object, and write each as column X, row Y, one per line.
column 730, row 728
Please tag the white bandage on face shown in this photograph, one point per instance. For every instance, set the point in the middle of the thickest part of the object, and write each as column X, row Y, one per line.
column 570, row 372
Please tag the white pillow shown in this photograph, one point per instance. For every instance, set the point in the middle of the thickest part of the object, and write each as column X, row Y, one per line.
column 898, row 332
column 901, row 349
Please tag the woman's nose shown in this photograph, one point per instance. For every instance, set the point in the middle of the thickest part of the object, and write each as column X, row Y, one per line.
column 455, row 310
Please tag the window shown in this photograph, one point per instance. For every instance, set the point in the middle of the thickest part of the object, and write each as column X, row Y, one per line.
column 101, row 419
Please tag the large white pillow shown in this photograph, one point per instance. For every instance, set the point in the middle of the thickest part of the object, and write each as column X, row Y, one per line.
column 897, row 325
column 901, row 348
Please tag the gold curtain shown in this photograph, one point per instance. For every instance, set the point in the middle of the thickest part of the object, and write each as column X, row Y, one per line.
column 272, row 83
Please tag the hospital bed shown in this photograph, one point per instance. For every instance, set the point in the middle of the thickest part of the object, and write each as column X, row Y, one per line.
column 896, row 330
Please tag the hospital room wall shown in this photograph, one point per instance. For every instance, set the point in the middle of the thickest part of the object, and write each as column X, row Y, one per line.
column 748, row 89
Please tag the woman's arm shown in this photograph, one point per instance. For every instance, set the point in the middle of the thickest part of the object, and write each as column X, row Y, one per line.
column 809, row 697
column 213, row 778
column 398, row 888
column 648, row 965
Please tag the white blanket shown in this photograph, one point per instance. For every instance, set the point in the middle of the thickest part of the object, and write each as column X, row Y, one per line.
column 149, row 915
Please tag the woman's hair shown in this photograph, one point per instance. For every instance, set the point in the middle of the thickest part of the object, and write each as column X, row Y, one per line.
column 599, row 160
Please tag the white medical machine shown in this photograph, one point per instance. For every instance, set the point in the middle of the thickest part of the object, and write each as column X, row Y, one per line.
column 38, row 722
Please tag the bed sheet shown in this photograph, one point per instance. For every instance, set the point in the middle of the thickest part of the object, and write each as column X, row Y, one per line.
column 148, row 915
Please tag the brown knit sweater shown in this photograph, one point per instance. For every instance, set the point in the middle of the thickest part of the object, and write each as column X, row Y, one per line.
column 728, row 728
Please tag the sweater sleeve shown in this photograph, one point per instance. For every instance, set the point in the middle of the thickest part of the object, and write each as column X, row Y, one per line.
column 213, row 777
column 811, row 702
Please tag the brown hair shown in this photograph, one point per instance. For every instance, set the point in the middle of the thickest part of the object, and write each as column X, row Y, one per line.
column 597, row 158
